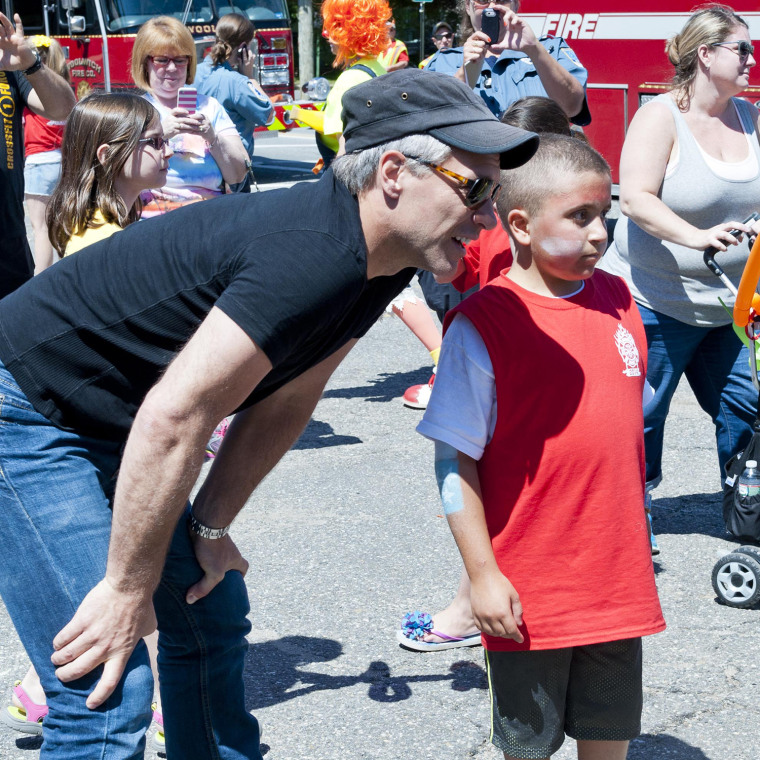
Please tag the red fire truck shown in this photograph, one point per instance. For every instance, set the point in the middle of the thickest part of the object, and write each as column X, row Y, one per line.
column 98, row 35
column 623, row 48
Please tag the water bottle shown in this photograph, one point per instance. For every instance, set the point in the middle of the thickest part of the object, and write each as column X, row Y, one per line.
column 748, row 485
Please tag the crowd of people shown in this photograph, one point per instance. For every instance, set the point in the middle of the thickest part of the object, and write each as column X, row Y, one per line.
column 112, row 396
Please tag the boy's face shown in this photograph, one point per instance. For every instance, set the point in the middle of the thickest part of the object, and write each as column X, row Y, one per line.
column 568, row 235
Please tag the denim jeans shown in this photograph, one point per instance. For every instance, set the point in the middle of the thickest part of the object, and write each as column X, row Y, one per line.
column 716, row 365
column 55, row 488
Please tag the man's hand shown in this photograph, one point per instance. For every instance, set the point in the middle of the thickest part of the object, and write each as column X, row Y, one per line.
column 15, row 53
column 496, row 607
column 105, row 629
column 216, row 556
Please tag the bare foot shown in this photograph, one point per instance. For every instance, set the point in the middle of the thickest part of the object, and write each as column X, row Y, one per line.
column 32, row 686
column 455, row 620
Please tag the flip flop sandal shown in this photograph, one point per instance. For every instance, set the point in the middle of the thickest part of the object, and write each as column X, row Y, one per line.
column 27, row 719
column 416, row 624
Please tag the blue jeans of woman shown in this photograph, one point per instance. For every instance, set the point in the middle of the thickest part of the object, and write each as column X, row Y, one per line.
column 716, row 365
column 55, row 488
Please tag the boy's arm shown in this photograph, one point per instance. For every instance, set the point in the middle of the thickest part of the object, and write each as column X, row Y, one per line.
column 495, row 603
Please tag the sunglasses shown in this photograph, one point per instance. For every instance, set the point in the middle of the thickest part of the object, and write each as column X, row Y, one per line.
column 743, row 48
column 179, row 61
column 444, row 36
column 478, row 190
column 155, row 142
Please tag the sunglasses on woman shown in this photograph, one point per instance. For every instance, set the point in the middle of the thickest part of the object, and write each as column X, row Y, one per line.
column 478, row 191
column 743, row 48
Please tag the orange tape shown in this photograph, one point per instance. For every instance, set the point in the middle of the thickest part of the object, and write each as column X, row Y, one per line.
column 747, row 298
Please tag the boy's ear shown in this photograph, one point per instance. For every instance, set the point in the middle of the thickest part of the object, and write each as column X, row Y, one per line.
column 519, row 226
column 102, row 153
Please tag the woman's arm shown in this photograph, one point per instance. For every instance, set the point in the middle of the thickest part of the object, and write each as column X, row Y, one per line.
column 229, row 153
column 646, row 152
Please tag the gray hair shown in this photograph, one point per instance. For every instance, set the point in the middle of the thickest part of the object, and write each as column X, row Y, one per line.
column 357, row 170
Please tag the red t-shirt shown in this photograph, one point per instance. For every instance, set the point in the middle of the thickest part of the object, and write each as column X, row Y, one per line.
column 484, row 258
column 40, row 134
column 562, row 478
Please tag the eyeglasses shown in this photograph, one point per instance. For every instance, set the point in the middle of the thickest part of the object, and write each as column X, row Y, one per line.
column 179, row 61
column 154, row 142
column 478, row 190
column 743, row 48
column 444, row 36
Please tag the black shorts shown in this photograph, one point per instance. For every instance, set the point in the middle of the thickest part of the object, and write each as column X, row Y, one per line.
column 590, row 693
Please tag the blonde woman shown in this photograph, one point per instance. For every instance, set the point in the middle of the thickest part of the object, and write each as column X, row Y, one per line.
column 690, row 170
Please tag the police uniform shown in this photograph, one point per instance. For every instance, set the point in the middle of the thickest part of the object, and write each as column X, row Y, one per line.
column 512, row 75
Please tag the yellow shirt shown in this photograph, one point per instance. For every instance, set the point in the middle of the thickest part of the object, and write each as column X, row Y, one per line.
column 91, row 234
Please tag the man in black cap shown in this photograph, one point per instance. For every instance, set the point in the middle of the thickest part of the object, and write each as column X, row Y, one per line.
column 124, row 357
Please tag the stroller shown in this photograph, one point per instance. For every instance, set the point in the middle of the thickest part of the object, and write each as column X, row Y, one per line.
column 736, row 576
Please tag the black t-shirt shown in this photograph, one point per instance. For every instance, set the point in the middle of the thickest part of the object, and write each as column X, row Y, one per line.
column 88, row 337
column 16, row 265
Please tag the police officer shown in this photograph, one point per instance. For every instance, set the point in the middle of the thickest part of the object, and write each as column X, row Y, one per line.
column 516, row 64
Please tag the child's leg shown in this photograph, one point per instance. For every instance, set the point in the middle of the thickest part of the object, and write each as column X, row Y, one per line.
column 36, row 206
column 588, row 750
column 417, row 317
column 456, row 619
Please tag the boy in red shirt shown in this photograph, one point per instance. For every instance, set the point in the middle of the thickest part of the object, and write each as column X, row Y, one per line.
column 544, row 497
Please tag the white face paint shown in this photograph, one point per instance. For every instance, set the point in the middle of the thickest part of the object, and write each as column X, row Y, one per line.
column 562, row 247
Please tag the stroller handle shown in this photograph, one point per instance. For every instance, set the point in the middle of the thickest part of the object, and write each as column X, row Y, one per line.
column 746, row 297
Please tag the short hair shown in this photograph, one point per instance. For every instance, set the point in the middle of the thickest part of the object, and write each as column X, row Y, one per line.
column 356, row 27
column 536, row 113
column 117, row 120
column 357, row 170
column 706, row 26
column 232, row 31
column 528, row 186
column 162, row 34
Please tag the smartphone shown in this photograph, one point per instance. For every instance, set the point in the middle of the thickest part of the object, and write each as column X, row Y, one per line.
column 187, row 98
column 491, row 24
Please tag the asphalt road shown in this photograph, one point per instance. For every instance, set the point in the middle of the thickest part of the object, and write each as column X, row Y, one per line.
column 346, row 535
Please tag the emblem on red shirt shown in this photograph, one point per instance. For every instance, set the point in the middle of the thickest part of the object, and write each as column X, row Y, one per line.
column 626, row 345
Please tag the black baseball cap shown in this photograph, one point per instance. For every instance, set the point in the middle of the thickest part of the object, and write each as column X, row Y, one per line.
column 442, row 25
column 414, row 101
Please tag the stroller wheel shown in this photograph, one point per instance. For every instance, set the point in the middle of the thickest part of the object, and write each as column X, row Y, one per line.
column 750, row 551
column 736, row 580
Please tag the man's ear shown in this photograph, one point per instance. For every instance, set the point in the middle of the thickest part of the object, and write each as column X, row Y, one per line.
column 519, row 226
column 390, row 171
column 102, row 153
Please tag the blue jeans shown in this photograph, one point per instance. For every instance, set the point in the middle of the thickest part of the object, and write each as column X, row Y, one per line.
column 716, row 364
column 55, row 489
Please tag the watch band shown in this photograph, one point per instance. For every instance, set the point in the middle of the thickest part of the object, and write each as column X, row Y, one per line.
column 35, row 67
column 197, row 527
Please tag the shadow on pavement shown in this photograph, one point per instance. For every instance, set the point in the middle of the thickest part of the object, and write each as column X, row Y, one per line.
column 693, row 513
column 664, row 747
column 274, row 675
column 279, row 170
column 387, row 387
column 29, row 742
column 318, row 435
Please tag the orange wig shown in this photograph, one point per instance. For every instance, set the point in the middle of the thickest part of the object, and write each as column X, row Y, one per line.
column 357, row 27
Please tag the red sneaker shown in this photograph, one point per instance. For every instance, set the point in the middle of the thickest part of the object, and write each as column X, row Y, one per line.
column 417, row 396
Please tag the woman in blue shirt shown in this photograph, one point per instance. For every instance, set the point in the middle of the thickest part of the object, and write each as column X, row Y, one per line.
column 226, row 74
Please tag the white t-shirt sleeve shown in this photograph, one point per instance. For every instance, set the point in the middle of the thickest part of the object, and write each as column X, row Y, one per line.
column 213, row 110
column 462, row 408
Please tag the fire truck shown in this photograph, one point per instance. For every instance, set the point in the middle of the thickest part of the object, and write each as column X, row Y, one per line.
column 624, row 52
column 97, row 35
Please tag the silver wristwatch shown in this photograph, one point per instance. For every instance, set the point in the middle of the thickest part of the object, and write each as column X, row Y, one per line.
column 197, row 527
